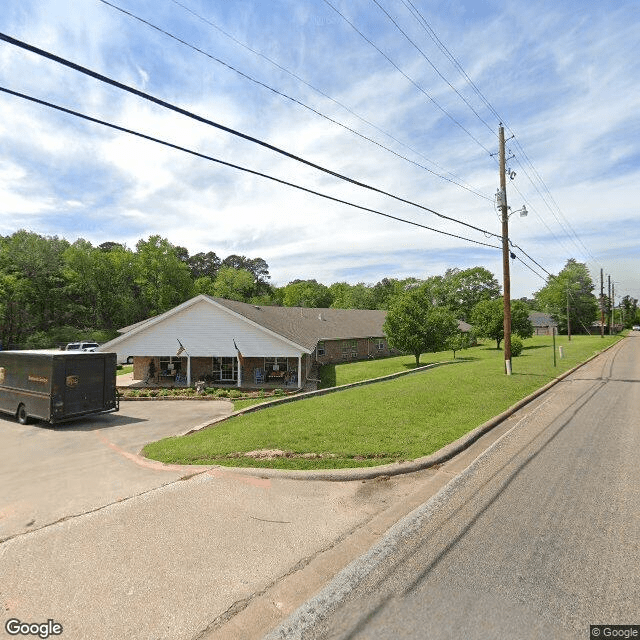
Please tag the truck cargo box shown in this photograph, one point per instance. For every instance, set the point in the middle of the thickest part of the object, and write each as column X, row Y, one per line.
column 57, row 385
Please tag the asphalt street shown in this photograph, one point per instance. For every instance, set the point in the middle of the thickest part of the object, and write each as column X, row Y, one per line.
column 538, row 538
column 49, row 473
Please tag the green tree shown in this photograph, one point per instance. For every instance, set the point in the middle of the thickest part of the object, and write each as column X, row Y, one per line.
column 351, row 296
column 233, row 284
column 629, row 308
column 414, row 326
column 306, row 293
column 163, row 279
column 487, row 318
column 459, row 341
column 575, row 286
column 204, row 265
column 466, row 288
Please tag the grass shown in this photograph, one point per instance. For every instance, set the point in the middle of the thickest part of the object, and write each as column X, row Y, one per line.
column 333, row 375
column 390, row 421
column 128, row 368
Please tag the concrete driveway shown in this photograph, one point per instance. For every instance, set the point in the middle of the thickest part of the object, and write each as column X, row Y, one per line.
column 50, row 473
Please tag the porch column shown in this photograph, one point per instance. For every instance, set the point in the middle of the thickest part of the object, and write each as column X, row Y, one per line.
column 300, row 370
column 239, row 373
column 188, row 370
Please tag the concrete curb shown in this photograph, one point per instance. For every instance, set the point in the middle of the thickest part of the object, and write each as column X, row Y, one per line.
column 368, row 473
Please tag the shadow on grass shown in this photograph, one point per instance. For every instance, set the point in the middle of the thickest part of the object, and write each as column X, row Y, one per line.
column 538, row 346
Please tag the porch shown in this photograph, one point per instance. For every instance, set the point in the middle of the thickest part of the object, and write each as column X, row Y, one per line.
column 222, row 372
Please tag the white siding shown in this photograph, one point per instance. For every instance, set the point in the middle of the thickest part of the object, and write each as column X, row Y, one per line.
column 205, row 330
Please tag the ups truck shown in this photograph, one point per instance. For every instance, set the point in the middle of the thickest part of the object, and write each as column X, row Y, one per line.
column 56, row 386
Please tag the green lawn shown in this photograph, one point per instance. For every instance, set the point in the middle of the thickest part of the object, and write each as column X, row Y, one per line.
column 401, row 419
column 128, row 368
column 335, row 375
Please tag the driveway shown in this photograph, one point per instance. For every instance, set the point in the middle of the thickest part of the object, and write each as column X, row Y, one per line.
column 50, row 473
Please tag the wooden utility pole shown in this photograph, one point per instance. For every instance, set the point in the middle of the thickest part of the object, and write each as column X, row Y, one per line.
column 613, row 304
column 601, row 303
column 505, row 256
column 568, row 318
column 610, row 314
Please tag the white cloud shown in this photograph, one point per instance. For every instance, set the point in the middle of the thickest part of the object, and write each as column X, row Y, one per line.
column 561, row 74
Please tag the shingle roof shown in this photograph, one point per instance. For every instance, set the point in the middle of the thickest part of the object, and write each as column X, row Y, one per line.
column 539, row 319
column 306, row 326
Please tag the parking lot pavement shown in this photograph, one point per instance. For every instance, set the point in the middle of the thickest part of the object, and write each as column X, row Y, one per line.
column 50, row 473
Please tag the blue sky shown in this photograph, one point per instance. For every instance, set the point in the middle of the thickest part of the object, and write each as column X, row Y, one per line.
column 563, row 77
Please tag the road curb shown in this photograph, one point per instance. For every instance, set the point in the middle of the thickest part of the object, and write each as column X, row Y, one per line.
column 397, row 468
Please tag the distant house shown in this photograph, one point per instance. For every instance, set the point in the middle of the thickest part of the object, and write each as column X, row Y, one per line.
column 198, row 339
column 543, row 323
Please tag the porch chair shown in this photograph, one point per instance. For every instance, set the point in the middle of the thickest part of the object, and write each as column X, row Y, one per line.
column 258, row 376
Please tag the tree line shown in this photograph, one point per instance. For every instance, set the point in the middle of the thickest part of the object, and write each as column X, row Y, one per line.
column 53, row 291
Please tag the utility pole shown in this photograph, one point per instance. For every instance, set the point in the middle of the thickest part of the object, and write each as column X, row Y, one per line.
column 568, row 319
column 601, row 303
column 505, row 256
column 613, row 303
column 610, row 314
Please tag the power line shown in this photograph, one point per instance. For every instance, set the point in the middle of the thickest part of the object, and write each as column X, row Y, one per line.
column 432, row 34
column 569, row 230
column 457, row 180
column 409, row 78
column 235, row 132
column 424, row 55
column 264, row 85
column 234, row 166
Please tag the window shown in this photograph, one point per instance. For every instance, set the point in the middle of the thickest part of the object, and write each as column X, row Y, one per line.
column 225, row 369
column 321, row 348
column 275, row 364
column 345, row 350
column 170, row 365
column 354, row 348
column 380, row 344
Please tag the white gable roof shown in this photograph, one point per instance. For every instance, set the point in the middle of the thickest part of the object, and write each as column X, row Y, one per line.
column 205, row 328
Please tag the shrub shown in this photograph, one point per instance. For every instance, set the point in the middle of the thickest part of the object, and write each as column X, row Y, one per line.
column 234, row 393
column 516, row 346
column 222, row 393
column 278, row 392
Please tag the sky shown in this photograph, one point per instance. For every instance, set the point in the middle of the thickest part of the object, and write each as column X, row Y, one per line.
column 403, row 95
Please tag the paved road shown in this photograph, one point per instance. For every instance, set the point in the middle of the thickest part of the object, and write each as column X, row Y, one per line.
column 112, row 546
column 49, row 473
column 538, row 538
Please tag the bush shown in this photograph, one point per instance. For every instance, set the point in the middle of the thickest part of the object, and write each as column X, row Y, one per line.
column 516, row 346
column 234, row 393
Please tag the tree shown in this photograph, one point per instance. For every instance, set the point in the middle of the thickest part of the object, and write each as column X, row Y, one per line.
column 306, row 293
column 459, row 341
column 233, row 284
column 487, row 318
column 629, row 308
column 468, row 287
column 351, row 296
column 572, row 284
column 415, row 326
column 163, row 279
column 204, row 265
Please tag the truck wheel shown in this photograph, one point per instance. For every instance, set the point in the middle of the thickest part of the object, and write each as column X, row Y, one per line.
column 130, row 360
column 23, row 416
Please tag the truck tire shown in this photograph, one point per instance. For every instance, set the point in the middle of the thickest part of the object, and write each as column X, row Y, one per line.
column 130, row 360
column 22, row 415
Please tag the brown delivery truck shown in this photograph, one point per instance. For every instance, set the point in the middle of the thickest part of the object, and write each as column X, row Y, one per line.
column 57, row 385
